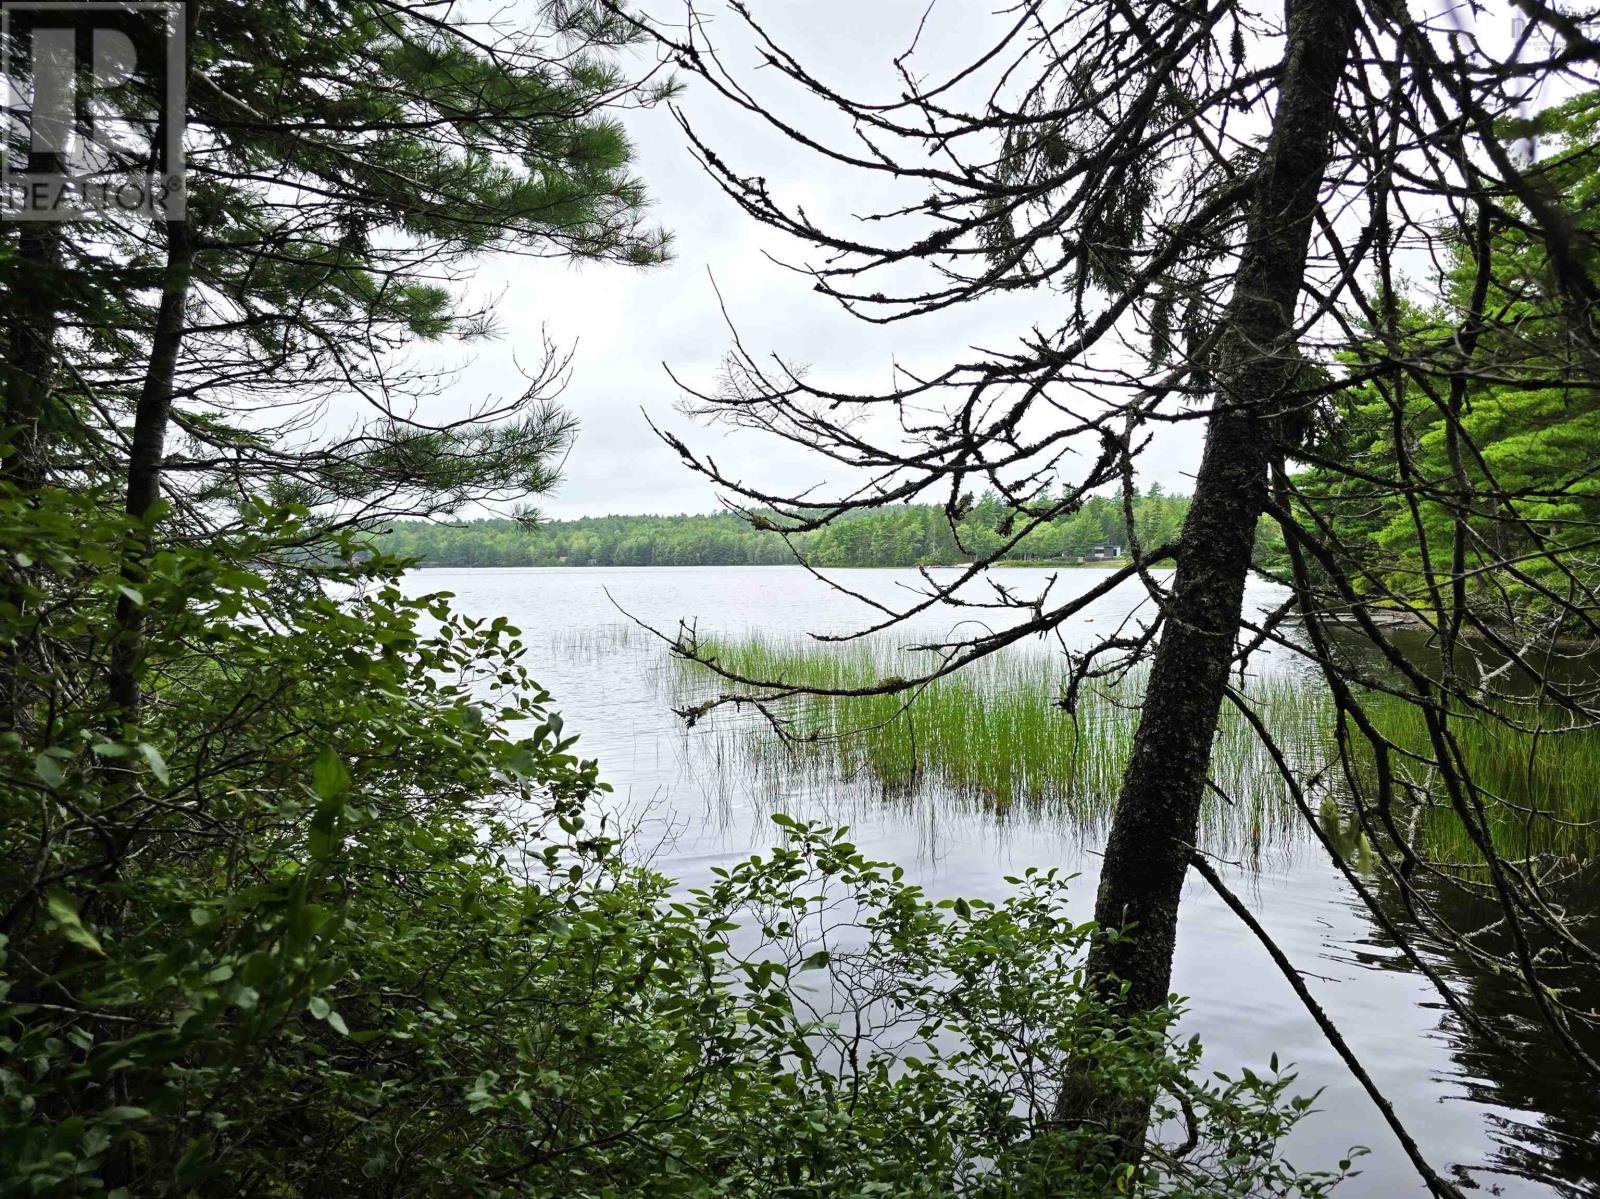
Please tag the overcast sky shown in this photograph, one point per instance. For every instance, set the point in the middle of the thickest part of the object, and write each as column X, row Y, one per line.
column 629, row 324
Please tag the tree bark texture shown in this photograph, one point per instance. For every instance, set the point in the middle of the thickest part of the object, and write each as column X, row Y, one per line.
column 1157, row 815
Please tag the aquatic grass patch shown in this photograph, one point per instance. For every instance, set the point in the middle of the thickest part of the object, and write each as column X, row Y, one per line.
column 1536, row 774
column 994, row 736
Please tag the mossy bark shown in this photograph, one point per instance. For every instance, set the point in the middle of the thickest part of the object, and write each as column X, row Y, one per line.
column 32, row 323
column 1256, row 364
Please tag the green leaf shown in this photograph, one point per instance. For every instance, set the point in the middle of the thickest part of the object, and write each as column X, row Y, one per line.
column 191, row 1167
column 47, row 770
column 329, row 778
column 63, row 910
column 153, row 758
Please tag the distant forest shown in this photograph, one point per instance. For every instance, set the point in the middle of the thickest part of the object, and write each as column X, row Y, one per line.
column 901, row 535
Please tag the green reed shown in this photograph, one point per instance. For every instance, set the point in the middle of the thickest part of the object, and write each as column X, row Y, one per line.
column 1534, row 774
column 995, row 735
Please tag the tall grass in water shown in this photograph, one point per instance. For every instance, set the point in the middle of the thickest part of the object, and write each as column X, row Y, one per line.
column 1540, row 791
column 994, row 735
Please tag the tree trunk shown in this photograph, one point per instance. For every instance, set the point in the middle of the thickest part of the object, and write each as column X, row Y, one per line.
column 1157, row 815
column 31, row 327
column 31, row 349
column 145, row 458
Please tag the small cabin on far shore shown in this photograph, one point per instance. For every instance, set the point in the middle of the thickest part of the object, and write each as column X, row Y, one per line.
column 1103, row 552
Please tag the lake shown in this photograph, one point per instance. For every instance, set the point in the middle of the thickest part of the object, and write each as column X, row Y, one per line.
column 1481, row 1116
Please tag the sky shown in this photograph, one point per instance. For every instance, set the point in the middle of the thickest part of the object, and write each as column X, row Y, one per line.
column 628, row 325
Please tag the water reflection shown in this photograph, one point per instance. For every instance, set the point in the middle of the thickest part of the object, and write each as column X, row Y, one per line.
column 1516, row 1125
column 1514, row 1063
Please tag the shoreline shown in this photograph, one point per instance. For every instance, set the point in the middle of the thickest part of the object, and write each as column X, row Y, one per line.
column 1040, row 564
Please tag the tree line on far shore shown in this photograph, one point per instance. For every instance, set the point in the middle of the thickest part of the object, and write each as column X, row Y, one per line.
column 896, row 535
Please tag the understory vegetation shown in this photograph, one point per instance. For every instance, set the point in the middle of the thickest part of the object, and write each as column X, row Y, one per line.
column 342, row 917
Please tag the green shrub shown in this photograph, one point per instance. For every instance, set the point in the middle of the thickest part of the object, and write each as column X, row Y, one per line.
column 342, row 918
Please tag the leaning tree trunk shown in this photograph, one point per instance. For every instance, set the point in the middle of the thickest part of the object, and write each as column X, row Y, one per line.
column 145, row 456
column 1157, row 815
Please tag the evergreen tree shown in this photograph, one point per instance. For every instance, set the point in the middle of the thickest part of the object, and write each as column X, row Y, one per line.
column 1507, row 465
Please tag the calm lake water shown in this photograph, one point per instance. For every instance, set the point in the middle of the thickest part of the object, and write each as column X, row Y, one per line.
column 1508, row 1127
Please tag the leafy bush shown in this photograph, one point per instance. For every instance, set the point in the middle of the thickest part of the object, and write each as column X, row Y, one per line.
column 343, row 918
